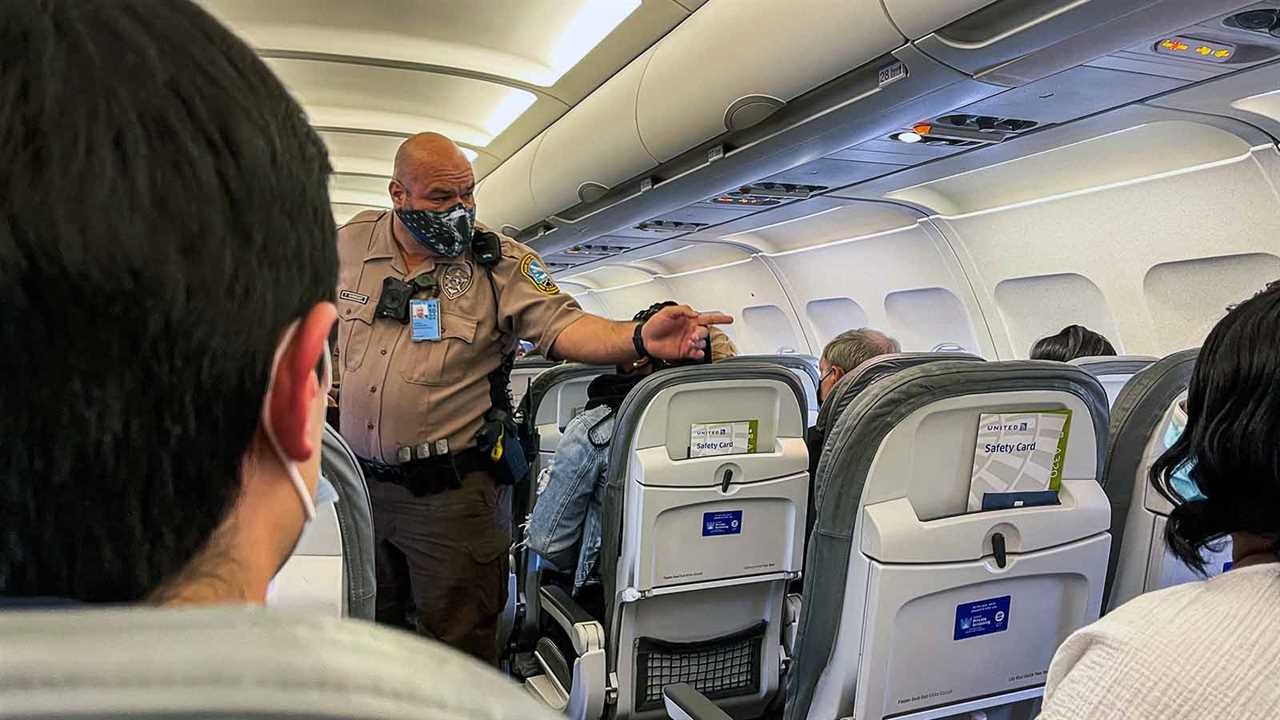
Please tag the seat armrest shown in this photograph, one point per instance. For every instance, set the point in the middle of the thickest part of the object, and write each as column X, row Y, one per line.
column 792, row 604
column 685, row 703
column 558, row 602
column 584, row 630
column 586, row 696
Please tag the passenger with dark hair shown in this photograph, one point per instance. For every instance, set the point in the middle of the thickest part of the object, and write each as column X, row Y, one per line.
column 1073, row 341
column 167, row 266
column 1209, row 648
column 565, row 526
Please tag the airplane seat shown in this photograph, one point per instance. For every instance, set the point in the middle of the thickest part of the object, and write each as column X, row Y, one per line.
column 236, row 662
column 332, row 568
column 917, row 603
column 554, row 398
column 1141, row 561
column 804, row 366
column 703, row 521
column 523, row 373
column 1113, row 371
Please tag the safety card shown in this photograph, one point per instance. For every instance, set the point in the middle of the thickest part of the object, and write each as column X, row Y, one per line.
column 737, row 437
column 1018, row 459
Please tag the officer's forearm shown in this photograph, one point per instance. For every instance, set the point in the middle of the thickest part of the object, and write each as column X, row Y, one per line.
column 597, row 341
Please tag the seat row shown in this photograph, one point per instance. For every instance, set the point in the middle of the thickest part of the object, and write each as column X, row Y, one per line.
column 915, row 601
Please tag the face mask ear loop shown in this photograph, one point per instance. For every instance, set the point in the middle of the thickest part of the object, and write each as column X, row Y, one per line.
column 290, row 468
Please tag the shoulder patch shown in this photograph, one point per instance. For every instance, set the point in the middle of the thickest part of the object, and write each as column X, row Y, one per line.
column 537, row 275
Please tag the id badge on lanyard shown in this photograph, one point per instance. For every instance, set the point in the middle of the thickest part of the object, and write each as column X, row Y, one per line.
column 424, row 319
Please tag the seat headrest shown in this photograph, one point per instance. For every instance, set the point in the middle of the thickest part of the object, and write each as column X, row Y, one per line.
column 548, row 379
column 859, row 378
column 237, row 662
column 533, row 362
column 1103, row 365
column 633, row 410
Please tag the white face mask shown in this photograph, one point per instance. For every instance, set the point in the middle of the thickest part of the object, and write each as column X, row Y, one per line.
column 290, row 467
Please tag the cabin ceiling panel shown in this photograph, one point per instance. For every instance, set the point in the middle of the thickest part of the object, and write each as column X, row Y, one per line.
column 491, row 74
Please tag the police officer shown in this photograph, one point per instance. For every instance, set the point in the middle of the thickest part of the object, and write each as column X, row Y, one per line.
column 432, row 308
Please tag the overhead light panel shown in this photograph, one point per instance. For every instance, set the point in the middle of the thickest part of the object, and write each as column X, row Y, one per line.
column 591, row 24
column 508, row 111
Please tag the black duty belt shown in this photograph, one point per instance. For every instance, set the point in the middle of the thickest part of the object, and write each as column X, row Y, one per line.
column 429, row 476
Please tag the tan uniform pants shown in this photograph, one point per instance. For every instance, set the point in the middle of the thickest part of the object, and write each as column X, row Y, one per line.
column 442, row 561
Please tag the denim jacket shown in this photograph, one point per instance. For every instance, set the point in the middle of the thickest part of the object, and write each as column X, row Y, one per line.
column 565, row 527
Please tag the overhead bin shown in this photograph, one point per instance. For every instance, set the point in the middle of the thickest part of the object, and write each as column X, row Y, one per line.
column 732, row 63
column 504, row 200
column 916, row 19
column 1013, row 42
column 595, row 146
column 890, row 92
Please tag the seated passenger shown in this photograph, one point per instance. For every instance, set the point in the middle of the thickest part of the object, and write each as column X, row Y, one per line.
column 164, row 324
column 847, row 351
column 1210, row 648
column 565, row 526
column 1073, row 341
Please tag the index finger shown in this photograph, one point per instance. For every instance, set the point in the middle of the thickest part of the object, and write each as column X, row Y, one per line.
column 714, row 319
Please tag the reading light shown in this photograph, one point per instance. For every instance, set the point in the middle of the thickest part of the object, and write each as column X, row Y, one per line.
column 908, row 137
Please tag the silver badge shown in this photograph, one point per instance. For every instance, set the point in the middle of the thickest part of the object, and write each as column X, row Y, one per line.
column 456, row 280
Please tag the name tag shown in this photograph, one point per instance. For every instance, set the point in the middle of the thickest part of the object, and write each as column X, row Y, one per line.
column 424, row 319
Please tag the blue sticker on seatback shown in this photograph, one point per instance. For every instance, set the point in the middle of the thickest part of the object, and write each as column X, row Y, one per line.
column 982, row 618
column 722, row 523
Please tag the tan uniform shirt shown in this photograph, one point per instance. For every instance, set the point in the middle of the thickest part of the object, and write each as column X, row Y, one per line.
column 396, row 392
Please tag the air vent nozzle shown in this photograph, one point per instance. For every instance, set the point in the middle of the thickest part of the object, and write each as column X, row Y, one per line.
column 669, row 227
column 596, row 250
column 1264, row 20
column 986, row 123
column 767, row 193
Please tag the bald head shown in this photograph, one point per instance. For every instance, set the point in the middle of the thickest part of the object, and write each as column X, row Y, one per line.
column 431, row 173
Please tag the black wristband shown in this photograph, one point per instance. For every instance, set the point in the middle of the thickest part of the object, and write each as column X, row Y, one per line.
column 637, row 339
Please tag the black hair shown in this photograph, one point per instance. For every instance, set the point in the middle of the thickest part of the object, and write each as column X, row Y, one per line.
column 1073, row 341
column 164, row 217
column 1229, row 443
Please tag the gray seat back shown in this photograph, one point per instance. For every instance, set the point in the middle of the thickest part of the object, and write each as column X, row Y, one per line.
column 900, row 562
column 804, row 366
column 523, row 373
column 332, row 568
column 698, row 548
column 237, row 662
column 1142, row 413
column 1113, row 371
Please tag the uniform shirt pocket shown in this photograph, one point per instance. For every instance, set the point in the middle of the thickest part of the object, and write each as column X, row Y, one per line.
column 443, row 361
column 356, row 333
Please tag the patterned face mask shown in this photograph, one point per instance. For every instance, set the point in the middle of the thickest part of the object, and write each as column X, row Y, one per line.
column 444, row 232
